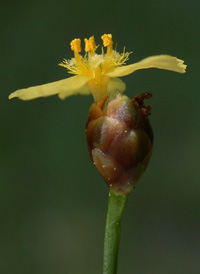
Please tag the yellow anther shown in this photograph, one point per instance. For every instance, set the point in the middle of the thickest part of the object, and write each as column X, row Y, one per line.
column 87, row 45
column 107, row 40
column 76, row 45
column 90, row 44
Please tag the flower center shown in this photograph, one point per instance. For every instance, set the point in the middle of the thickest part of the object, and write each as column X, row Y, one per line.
column 93, row 65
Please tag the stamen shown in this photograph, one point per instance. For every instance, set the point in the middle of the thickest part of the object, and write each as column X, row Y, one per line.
column 107, row 40
column 76, row 45
column 87, row 45
column 79, row 66
column 90, row 44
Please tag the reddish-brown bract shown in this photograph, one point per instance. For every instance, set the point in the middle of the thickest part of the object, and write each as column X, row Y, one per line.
column 120, row 140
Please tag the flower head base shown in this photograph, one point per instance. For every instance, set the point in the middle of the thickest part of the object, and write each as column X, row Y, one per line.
column 120, row 139
column 97, row 73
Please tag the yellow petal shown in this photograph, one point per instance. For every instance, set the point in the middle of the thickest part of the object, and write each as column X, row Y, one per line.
column 116, row 84
column 159, row 61
column 84, row 90
column 71, row 83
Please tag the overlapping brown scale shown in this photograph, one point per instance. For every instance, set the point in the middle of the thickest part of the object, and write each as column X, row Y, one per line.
column 120, row 140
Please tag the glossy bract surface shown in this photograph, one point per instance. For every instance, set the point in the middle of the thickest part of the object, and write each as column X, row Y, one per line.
column 120, row 140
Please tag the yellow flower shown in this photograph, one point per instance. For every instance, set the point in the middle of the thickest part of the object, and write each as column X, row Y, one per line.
column 97, row 73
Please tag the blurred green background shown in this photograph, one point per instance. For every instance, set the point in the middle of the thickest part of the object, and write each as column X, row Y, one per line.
column 52, row 200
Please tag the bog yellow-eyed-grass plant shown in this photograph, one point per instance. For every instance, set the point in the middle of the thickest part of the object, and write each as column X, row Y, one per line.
column 119, row 135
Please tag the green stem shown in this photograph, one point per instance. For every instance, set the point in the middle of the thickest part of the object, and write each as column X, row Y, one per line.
column 116, row 206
